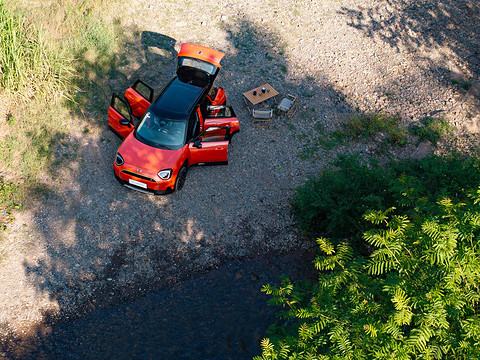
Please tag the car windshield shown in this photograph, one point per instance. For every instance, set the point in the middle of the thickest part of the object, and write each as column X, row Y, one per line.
column 161, row 132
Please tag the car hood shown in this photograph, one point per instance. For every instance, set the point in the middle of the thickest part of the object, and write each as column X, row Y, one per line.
column 142, row 156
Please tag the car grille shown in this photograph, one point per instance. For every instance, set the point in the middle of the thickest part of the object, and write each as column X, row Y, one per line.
column 143, row 177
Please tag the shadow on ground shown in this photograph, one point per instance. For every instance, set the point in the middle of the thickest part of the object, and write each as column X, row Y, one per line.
column 439, row 31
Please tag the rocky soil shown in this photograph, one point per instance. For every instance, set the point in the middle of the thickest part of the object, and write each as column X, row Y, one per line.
column 92, row 242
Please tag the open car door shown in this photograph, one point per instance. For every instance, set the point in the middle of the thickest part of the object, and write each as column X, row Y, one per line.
column 120, row 117
column 221, row 115
column 210, row 147
column 198, row 65
column 139, row 96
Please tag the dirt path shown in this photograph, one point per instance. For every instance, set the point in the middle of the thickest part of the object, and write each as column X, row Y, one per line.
column 93, row 241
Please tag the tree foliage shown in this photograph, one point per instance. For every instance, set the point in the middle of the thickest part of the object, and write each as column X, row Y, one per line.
column 332, row 204
column 415, row 297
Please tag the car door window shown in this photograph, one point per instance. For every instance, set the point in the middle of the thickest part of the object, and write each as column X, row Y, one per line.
column 120, row 106
column 215, row 134
column 143, row 89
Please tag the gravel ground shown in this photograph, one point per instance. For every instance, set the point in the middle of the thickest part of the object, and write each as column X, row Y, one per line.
column 93, row 242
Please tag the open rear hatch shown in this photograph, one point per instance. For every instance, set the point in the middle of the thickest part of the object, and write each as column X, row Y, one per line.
column 198, row 65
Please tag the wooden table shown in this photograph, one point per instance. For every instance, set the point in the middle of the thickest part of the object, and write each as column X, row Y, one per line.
column 259, row 97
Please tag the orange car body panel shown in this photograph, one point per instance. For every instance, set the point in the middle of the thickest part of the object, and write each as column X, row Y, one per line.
column 114, row 118
column 148, row 161
column 202, row 53
column 210, row 152
column 137, row 102
column 232, row 123
column 220, row 97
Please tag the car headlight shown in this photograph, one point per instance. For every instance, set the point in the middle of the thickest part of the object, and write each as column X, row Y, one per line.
column 119, row 160
column 165, row 174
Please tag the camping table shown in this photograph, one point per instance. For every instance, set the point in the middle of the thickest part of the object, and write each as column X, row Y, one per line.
column 259, row 97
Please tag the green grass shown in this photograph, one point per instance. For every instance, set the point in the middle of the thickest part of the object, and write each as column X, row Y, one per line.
column 431, row 129
column 55, row 62
column 27, row 63
column 465, row 85
column 367, row 125
column 357, row 127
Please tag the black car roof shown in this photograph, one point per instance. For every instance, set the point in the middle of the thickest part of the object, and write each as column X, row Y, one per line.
column 177, row 99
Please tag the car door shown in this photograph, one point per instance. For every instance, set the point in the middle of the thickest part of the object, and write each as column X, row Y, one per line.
column 139, row 96
column 198, row 65
column 221, row 115
column 210, row 147
column 120, row 116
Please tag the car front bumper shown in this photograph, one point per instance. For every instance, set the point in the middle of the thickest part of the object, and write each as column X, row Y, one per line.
column 149, row 191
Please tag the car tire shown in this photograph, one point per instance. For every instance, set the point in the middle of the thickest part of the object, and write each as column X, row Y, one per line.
column 181, row 177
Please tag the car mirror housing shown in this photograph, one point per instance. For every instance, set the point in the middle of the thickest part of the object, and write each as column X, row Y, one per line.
column 197, row 144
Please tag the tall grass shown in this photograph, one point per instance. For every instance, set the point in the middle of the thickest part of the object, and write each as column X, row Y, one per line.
column 28, row 65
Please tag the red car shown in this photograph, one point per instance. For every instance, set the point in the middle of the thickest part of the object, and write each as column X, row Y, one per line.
column 188, row 123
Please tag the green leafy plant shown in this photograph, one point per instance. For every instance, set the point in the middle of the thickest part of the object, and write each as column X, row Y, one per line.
column 415, row 297
column 333, row 202
column 465, row 85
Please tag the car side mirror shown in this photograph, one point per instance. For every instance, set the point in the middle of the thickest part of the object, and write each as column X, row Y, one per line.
column 124, row 122
column 197, row 144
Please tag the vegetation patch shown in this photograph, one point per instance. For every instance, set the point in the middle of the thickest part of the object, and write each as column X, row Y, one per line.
column 384, row 129
column 27, row 62
column 465, row 85
column 431, row 129
column 11, row 198
column 416, row 294
column 332, row 204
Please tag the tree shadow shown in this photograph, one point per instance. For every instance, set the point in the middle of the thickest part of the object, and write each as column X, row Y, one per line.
column 442, row 33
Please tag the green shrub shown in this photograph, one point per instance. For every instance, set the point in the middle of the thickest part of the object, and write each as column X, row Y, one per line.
column 367, row 125
column 333, row 202
column 415, row 297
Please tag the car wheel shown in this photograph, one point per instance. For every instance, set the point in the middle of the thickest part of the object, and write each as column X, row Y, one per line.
column 181, row 177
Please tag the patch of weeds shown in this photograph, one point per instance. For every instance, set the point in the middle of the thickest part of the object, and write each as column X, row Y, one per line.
column 465, row 85
column 398, row 136
column 308, row 152
column 284, row 68
column 10, row 119
column 283, row 48
column 367, row 125
column 11, row 198
column 28, row 63
column 268, row 56
column 431, row 129
column 390, row 96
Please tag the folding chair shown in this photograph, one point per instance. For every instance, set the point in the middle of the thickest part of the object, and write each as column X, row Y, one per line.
column 262, row 118
column 288, row 105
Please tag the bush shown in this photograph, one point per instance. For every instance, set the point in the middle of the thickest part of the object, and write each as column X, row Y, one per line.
column 416, row 297
column 333, row 202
